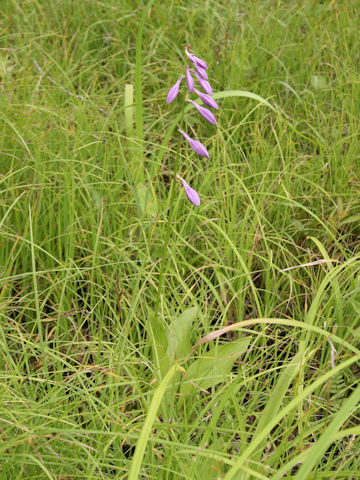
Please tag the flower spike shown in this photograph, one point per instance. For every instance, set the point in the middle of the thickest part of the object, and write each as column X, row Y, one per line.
column 174, row 90
column 189, row 80
column 192, row 194
column 197, row 146
column 204, row 112
column 209, row 101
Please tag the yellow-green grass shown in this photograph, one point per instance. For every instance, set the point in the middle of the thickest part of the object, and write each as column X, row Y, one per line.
column 100, row 376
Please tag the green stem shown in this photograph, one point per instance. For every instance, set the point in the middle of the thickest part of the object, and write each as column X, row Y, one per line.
column 36, row 295
column 169, row 220
column 139, row 120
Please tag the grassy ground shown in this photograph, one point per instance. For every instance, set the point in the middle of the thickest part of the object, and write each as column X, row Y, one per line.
column 89, row 387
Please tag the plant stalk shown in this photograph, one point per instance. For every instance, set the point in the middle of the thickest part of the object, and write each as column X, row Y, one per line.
column 169, row 220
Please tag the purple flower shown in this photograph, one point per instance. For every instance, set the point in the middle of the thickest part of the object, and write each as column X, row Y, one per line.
column 192, row 194
column 209, row 101
column 189, row 80
column 204, row 112
column 196, row 60
column 204, row 84
column 201, row 71
column 174, row 90
column 200, row 62
column 197, row 146
column 190, row 56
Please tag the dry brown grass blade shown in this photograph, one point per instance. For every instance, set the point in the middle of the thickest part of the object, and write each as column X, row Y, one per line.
column 275, row 321
column 310, row 264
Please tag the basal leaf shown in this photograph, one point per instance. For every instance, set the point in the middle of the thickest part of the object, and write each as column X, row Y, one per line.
column 213, row 367
column 179, row 335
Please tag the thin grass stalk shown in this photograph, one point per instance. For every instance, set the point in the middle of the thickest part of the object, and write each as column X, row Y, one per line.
column 139, row 120
column 170, row 217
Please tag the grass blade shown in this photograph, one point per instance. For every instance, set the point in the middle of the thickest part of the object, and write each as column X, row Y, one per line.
column 327, row 437
column 139, row 121
column 145, row 432
column 258, row 439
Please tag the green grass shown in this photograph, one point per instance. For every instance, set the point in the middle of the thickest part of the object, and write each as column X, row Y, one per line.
column 247, row 364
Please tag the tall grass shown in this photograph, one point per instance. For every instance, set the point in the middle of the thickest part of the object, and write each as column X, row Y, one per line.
column 250, row 367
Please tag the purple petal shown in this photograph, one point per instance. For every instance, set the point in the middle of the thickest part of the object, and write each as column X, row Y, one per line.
column 192, row 194
column 209, row 101
column 197, row 146
column 204, row 112
column 196, row 60
column 200, row 62
column 190, row 56
column 204, row 84
column 201, row 71
column 189, row 80
column 174, row 90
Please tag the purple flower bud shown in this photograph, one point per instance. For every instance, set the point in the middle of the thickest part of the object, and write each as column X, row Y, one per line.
column 201, row 71
column 192, row 194
column 196, row 60
column 190, row 56
column 200, row 62
column 174, row 90
column 204, row 112
column 209, row 101
column 197, row 146
column 204, row 84
column 189, row 80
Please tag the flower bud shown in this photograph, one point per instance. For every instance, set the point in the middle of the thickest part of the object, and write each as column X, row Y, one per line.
column 204, row 84
column 196, row 60
column 192, row 194
column 201, row 71
column 200, row 62
column 204, row 112
column 209, row 101
column 174, row 90
column 189, row 80
column 190, row 56
column 197, row 146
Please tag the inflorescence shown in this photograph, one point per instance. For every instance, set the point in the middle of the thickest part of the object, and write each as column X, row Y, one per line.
column 200, row 73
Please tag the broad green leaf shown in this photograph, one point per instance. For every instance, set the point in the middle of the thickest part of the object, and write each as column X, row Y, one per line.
column 213, row 367
column 179, row 335
column 244, row 94
column 352, row 219
column 147, row 201
column 157, row 336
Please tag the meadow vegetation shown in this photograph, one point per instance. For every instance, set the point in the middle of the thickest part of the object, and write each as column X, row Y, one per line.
column 247, row 364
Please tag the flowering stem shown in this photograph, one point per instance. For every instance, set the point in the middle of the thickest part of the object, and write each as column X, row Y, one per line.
column 139, row 120
column 169, row 220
